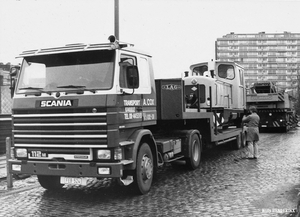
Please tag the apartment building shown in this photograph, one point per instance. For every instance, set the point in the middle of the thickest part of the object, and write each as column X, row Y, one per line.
column 265, row 56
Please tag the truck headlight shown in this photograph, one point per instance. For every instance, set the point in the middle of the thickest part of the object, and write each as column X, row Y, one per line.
column 21, row 152
column 104, row 154
column 118, row 154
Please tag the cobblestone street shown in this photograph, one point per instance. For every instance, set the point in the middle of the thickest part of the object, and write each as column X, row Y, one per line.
column 224, row 185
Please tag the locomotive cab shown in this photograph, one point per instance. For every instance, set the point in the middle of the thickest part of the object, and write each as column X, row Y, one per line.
column 216, row 84
column 218, row 87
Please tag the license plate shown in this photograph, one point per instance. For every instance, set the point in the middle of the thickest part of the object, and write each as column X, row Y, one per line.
column 73, row 181
column 263, row 125
column 37, row 154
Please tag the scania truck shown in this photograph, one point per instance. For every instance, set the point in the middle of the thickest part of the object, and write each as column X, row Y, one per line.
column 95, row 111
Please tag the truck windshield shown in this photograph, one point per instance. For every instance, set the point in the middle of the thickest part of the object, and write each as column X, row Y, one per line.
column 90, row 70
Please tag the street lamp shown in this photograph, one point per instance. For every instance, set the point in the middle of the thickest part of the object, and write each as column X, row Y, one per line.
column 117, row 19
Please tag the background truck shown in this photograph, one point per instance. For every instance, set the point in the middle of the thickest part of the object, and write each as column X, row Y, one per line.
column 275, row 108
column 95, row 110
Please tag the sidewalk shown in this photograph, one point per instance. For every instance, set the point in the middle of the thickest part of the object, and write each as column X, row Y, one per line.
column 18, row 184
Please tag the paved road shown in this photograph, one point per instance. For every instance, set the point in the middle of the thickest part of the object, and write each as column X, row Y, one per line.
column 224, row 185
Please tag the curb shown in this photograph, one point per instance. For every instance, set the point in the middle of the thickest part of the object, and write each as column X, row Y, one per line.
column 18, row 185
column 8, row 192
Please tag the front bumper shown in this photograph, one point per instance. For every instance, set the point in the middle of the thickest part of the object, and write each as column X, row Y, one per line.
column 71, row 169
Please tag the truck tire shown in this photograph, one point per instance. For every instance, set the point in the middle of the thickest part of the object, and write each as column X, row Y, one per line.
column 50, row 182
column 144, row 172
column 193, row 162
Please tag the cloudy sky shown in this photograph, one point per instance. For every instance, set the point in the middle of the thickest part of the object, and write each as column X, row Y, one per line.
column 178, row 33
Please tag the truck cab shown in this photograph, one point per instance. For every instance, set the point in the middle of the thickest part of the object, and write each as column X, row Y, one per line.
column 78, row 109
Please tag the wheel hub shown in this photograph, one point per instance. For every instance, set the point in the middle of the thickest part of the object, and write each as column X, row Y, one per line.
column 147, row 168
column 195, row 151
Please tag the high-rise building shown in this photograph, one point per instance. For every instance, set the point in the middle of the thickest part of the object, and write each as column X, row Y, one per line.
column 264, row 56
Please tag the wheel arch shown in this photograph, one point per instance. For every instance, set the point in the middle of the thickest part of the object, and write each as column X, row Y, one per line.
column 138, row 137
column 186, row 136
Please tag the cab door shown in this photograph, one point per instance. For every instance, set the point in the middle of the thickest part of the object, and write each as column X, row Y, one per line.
column 225, row 82
column 136, row 98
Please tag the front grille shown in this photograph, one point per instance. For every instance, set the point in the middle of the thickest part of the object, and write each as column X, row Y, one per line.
column 68, row 129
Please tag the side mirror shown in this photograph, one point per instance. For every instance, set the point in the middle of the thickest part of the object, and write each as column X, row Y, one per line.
column 14, row 71
column 12, row 86
column 132, row 75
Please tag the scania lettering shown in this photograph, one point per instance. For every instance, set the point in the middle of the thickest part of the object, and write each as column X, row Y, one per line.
column 95, row 111
column 56, row 103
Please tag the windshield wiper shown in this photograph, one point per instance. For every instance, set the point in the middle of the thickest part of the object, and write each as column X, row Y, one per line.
column 82, row 88
column 71, row 86
column 30, row 88
column 35, row 88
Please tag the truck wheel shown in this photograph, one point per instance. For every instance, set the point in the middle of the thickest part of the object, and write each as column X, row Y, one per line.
column 144, row 170
column 50, row 182
column 193, row 162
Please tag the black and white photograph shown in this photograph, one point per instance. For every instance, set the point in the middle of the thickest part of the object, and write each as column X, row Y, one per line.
column 150, row 108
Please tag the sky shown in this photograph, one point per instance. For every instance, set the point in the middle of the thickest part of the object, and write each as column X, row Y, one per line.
column 177, row 33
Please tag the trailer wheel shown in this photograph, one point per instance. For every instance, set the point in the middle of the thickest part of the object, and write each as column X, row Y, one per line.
column 144, row 172
column 50, row 182
column 193, row 161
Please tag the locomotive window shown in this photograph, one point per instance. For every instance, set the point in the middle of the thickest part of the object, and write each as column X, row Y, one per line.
column 241, row 77
column 199, row 70
column 226, row 71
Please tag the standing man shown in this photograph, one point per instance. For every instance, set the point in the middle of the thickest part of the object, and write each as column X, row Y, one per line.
column 252, row 138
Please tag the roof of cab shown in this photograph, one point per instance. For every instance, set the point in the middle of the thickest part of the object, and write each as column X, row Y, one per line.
column 216, row 61
column 79, row 47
